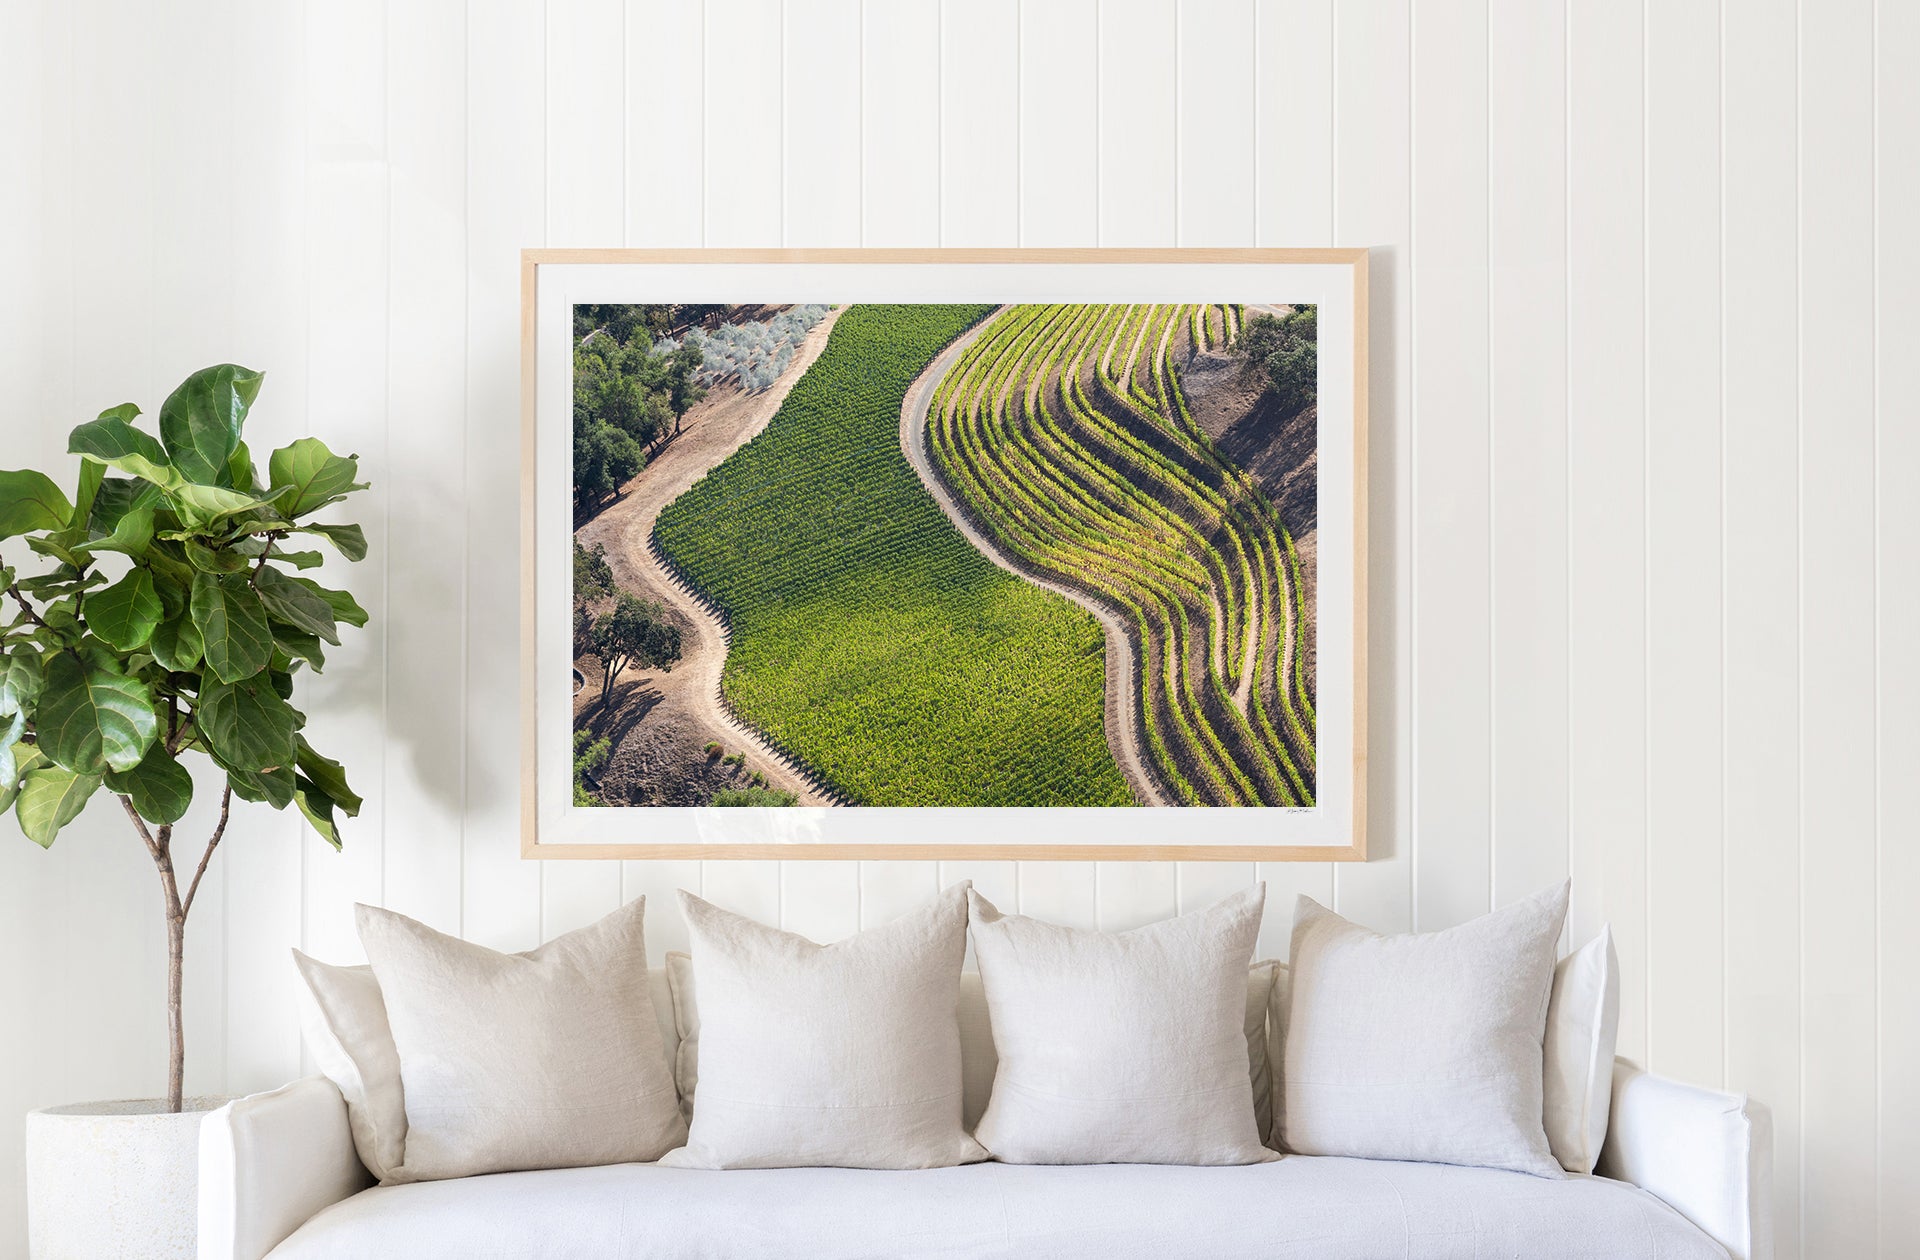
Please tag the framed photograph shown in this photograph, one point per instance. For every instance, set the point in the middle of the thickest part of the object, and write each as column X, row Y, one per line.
column 944, row 553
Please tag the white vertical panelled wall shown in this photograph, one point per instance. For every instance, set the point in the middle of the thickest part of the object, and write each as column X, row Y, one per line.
column 1646, row 431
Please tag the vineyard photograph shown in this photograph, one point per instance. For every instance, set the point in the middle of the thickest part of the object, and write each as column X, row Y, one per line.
column 944, row 555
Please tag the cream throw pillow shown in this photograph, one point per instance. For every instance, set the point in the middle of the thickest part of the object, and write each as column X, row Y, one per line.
column 1260, row 981
column 550, row 1059
column 1583, row 1028
column 344, row 1022
column 1126, row 1047
column 1425, row 1047
column 844, row 1055
column 977, row 1060
column 1583, row 1022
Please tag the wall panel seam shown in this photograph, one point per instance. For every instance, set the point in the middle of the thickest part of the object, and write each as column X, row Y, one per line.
column 1646, row 528
column 1879, row 834
column 1799, row 565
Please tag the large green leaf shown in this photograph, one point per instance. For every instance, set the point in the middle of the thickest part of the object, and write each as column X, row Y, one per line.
column 345, row 608
column 176, row 643
column 240, row 467
column 91, row 475
column 55, row 545
column 21, row 677
column 50, row 798
column 349, row 540
column 118, row 496
column 207, row 505
column 232, row 624
column 159, row 787
column 311, row 476
column 131, row 533
column 125, row 613
column 330, row 777
column 29, row 501
column 247, row 724
column 112, row 441
column 91, row 719
column 200, row 421
column 273, row 787
column 21, row 758
column 318, row 808
column 11, row 729
column 300, row 647
column 289, row 600
column 213, row 559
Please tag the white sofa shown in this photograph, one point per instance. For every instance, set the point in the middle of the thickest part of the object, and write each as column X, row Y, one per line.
column 1687, row 1175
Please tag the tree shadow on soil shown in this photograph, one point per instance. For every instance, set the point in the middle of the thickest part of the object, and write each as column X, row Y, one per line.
column 630, row 703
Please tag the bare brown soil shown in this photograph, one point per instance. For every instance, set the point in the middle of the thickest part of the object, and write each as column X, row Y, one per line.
column 660, row 721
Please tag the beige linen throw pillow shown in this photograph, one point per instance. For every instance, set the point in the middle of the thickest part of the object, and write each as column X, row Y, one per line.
column 1125, row 1047
column 343, row 1020
column 1583, row 1027
column 1421, row 1047
column 977, row 1060
column 550, row 1059
column 1583, row 1022
column 844, row 1055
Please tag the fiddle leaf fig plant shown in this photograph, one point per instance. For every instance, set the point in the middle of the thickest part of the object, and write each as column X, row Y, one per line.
column 168, row 620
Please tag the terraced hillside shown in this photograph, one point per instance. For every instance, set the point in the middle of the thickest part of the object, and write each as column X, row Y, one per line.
column 870, row 640
column 1064, row 431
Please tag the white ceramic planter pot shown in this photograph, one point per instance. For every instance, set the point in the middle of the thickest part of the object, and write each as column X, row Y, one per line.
column 114, row 1179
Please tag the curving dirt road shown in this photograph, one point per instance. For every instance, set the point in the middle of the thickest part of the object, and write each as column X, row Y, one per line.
column 689, row 695
column 1122, row 734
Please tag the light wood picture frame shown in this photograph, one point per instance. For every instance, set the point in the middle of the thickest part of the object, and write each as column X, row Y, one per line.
column 1114, row 554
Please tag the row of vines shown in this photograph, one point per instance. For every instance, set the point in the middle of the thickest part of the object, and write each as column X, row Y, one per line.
column 1065, row 432
column 870, row 640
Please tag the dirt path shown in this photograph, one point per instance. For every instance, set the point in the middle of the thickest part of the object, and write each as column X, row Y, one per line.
column 1123, row 738
column 713, row 430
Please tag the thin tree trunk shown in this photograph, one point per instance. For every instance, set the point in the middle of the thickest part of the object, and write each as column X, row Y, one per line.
column 169, row 888
column 176, row 978
column 160, row 846
column 176, row 1032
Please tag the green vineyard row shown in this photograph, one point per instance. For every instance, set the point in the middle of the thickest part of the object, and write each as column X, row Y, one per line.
column 1066, row 433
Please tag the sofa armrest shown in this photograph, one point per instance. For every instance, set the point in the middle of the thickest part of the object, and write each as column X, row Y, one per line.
column 1706, row 1154
column 270, row 1161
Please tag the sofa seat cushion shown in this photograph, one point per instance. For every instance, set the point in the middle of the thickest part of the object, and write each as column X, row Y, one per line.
column 1300, row 1206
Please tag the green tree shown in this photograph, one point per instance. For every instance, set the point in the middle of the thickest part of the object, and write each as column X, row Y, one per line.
column 625, row 386
column 621, row 320
column 604, row 459
column 1285, row 349
column 683, row 391
column 197, row 649
column 592, row 575
column 634, row 633
column 592, row 582
column 625, row 397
